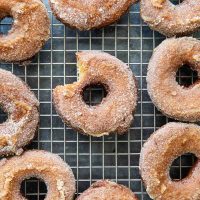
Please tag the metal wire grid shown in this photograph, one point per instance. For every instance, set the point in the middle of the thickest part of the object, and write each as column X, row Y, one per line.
column 110, row 157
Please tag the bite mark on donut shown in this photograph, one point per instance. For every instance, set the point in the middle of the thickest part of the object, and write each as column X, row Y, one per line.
column 98, row 68
column 69, row 91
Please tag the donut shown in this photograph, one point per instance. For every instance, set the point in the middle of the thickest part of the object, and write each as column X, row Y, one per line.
column 165, row 145
column 49, row 167
column 115, row 112
column 20, row 103
column 89, row 14
column 29, row 32
column 105, row 190
column 175, row 101
column 169, row 19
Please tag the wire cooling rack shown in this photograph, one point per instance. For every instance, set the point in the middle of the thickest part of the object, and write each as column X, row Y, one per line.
column 110, row 157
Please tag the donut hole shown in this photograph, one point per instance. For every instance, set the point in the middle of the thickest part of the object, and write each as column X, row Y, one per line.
column 3, row 116
column 182, row 166
column 176, row 2
column 33, row 188
column 94, row 94
column 186, row 76
column 5, row 25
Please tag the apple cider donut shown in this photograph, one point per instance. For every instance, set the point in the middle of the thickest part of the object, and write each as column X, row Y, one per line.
column 172, row 99
column 115, row 112
column 170, row 19
column 49, row 167
column 29, row 32
column 21, row 105
column 157, row 155
column 105, row 190
column 89, row 14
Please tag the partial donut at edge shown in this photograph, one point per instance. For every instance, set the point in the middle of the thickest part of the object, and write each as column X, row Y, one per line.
column 49, row 167
column 29, row 32
column 159, row 151
column 22, row 107
column 173, row 100
column 105, row 189
column 169, row 19
column 89, row 14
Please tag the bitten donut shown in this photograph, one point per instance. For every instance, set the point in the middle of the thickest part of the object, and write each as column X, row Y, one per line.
column 49, row 167
column 170, row 19
column 107, row 190
column 175, row 101
column 89, row 14
column 157, row 155
column 21, row 105
column 115, row 112
column 29, row 32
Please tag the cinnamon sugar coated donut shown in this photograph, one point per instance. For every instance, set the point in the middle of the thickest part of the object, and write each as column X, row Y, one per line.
column 107, row 190
column 49, row 167
column 115, row 112
column 20, row 103
column 175, row 101
column 89, row 14
column 170, row 19
column 157, row 155
column 29, row 32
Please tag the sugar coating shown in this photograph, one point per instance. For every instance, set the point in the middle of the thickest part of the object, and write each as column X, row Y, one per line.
column 173, row 100
column 105, row 189
column 115, row 113
column 49, row 167
column 157, row 3
column 169, row 19
column 29, row 32
column 161, row 149
column 89, row 14
column 21, row 105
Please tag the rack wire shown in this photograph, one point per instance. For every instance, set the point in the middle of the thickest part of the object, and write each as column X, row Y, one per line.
column 111, row 157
